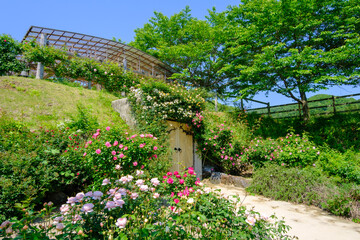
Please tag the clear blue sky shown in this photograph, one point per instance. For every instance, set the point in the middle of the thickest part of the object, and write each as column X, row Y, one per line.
column 112, row 18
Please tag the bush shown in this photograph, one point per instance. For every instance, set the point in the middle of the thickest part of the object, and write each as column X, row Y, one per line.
column 221, row 141
column 291, row 150
column 141, row 207
column 33, row 163
column 110, row 150
column 308, row 186
column 346, row 165
column 9, row 50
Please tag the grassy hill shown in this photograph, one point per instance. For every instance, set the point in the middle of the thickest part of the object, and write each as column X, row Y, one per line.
column 44, row 103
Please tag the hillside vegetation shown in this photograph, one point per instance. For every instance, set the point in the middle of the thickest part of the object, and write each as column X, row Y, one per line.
column 45, row 103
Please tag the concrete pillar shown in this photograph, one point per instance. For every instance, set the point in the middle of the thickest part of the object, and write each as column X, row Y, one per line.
column 197, row 162
column 124, row 62
column 40, row 66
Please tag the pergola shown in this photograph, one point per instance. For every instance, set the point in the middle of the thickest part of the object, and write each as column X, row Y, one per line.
column 101, row 49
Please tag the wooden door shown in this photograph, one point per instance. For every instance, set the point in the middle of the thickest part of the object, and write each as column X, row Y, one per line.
column 181, row 145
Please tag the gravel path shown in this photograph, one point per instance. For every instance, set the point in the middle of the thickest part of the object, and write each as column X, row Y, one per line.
column 307, row 222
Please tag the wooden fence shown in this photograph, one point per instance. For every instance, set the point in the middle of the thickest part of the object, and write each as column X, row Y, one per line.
column 323, row 106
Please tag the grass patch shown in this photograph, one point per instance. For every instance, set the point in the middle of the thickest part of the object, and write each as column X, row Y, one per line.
column 43, row 103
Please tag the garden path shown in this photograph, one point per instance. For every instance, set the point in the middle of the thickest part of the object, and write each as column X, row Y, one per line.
column 307, row 222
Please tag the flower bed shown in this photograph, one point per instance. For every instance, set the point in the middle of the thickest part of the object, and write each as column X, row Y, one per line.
column 140, row 206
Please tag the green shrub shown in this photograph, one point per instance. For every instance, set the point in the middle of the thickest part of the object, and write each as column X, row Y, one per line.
column 9, row 50
column 221, row 141
column 343, row 165
column 308, row 186
column 32, row 164
column 291, row 150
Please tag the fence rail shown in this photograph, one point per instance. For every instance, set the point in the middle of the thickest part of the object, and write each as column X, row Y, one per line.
column 330, row 106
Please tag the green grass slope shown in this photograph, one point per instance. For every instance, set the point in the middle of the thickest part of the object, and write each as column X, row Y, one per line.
column 43, row 103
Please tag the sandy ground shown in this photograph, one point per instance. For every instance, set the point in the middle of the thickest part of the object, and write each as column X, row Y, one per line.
column 307, row 222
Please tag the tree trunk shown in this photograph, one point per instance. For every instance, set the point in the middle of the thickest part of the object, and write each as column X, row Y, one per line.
column 216, row 102
column 305, row 107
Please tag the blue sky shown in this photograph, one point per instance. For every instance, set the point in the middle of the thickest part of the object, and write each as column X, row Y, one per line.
column 113, row 18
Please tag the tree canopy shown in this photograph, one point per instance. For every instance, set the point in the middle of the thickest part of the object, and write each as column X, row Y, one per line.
column 292, row 47
column 191, row 46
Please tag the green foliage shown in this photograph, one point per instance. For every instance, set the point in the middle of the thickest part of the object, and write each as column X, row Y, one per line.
column 84, row 121
column 60, row 64
column 340, row 132
column 191, row 46
column 346, row 166
column 309, row 186
column 291, row 150
column 156, row 101
column 33, row 164
column 221, row 140
column 113, row 149
column 270, row 50
column 9, row 50
column 136, row 207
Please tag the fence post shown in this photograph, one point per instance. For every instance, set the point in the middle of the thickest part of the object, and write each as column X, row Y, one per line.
column 299, row 111
column 268, row 108
column 334, row 106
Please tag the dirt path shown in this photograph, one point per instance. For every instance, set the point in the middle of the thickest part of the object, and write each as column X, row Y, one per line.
column 307, row 222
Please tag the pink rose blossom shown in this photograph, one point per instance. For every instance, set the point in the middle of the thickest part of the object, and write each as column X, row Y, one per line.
column 121, row 222
column 88, row 207
column 170, row 180
column 98, row 151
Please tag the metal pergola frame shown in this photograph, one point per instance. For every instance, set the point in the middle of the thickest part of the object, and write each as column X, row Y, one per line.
column 102, row 49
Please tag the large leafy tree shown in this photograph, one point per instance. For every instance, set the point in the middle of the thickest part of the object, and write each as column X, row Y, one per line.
column 292, row 47
column 191, row 46
column 9, row 50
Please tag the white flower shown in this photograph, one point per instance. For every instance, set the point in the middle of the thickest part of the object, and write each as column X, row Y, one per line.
column 156, row 195
column 117, row 196
column 88, row 207
column 106, row 182
column 119, row 203
column 129, row 178
column 144, row 188
column 190, row 201
column 80, row 196
column 122, row 191
column 60, row 226
column 109, row 205
column 250, row 220
column 97, row 195
column 89, row 194
column 58, row 220
column 121, row 222
column 139, row 182
column 134, row 196
column 64, row 208
column 72, row 200
column 155, row 181
column 123, row 180
column 139, row 172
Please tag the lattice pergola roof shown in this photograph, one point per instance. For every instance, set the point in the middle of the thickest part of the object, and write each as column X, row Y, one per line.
column 101, row 49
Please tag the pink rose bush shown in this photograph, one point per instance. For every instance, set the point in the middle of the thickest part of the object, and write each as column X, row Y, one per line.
column 111, row 150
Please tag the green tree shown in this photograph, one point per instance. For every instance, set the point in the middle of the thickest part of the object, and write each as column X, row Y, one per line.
column 9, row 50
column 292, row 47
column 191, row 46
